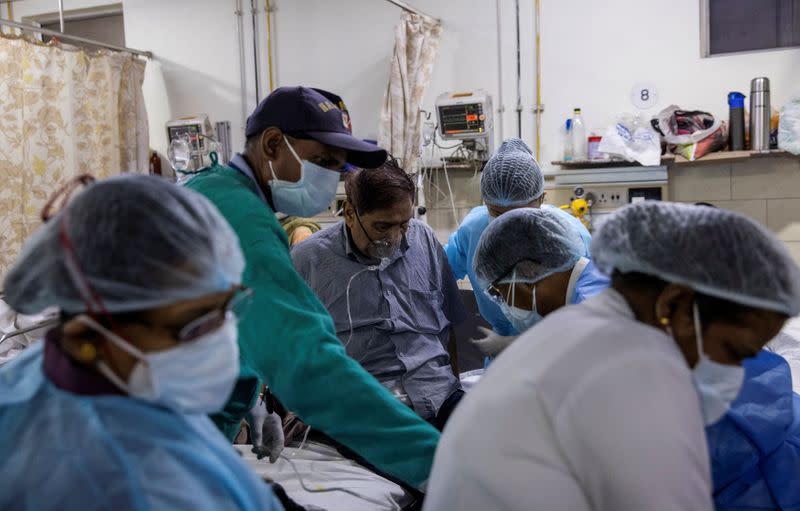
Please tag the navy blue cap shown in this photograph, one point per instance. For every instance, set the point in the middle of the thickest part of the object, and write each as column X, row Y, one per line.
column 315, row 114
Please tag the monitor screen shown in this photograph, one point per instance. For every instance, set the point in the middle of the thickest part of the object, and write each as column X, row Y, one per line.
column 191, row 132
column 462, row 119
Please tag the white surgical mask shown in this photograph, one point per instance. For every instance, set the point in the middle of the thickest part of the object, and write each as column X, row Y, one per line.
column 310, row 195
column 194, row 377
column 521, row 319
column 717, row 384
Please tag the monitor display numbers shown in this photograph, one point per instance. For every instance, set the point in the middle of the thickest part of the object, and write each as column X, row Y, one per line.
column 462, row 119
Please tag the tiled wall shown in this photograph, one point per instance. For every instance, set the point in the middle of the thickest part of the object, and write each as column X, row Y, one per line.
column 766, row 189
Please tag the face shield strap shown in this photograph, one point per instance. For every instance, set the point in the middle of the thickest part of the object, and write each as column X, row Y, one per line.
column 65, row 193
column 95, row 308
column 94, row 305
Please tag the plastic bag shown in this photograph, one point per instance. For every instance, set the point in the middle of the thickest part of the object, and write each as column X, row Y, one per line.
column 682, row 127
column 714, row 142
column 691, row 133
column 641, row 145
column 789, row 126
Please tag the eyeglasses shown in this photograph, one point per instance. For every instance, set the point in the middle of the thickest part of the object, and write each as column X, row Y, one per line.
column 238, row 304
column 497, row 296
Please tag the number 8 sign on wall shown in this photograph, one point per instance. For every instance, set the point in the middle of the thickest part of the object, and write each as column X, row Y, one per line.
column 644, row 96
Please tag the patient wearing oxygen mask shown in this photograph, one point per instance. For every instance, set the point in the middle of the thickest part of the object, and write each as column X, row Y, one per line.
column 386, row 282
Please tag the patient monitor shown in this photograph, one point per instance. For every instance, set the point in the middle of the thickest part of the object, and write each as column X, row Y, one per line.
column 467, row 116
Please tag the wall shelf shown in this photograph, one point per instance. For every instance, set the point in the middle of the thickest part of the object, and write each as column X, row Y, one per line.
column 617, row 162
column 671, row 159
column 724, row 156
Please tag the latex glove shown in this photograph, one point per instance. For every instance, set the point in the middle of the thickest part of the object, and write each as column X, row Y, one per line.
column 493, row 344
column 267, row 431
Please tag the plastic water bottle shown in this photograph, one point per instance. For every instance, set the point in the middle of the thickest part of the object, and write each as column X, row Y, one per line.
column 567, row 137
column 579, row 143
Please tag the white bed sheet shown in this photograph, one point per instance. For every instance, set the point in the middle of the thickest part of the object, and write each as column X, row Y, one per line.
column 322, row 467
column 470, row 378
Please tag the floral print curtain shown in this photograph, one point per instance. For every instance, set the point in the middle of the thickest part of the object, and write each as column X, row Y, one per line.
column 63, row 112
column 416, row 45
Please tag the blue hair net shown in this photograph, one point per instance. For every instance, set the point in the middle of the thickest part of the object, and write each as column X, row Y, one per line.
column 713, row 251
column 137, row 243
column 512, row 176
column 535, row 242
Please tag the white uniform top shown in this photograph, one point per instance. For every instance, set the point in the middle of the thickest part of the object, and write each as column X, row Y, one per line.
column 590, row 409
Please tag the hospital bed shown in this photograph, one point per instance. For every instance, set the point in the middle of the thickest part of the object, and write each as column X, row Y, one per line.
column 18, row 331
column 318, row 477
column 316, row 474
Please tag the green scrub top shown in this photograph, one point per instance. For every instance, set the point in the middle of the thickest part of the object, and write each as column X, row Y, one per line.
column 287, row 339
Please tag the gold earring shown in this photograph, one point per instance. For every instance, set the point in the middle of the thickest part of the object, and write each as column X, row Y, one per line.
column 87, row 352
column 664, row 321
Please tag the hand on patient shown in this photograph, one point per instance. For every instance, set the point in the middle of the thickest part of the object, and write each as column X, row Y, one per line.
column 493, row 344
column 267, row 432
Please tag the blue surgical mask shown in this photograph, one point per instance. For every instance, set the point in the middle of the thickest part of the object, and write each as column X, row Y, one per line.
column 194, row 377
column 310, row 195
column 717, row 384
column 521, row 319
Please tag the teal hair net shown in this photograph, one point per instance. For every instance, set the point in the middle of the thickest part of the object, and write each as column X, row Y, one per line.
column 512, row 176
column 535, row 242
column 716, row 252
column 137, row 243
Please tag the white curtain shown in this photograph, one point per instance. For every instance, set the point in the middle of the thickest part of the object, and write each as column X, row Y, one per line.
column 416, row 46
column 63, row 113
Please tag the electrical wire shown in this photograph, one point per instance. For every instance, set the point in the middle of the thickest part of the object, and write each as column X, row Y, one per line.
column 305, row 437
column 460, row 144
column 395, row 506
column 450, row 189
column 461, row 152
column 456, row 146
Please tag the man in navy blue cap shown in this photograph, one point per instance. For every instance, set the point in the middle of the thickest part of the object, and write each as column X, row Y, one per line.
column 298, row 139
column 297, row 227
column 295, row 138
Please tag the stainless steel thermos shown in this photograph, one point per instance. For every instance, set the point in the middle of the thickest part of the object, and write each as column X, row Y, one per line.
column 759, row 114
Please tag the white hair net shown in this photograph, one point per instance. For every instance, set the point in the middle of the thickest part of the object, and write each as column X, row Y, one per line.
column 535, row 242
column 138, row 242
column 512, row 176
column 713, row 251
